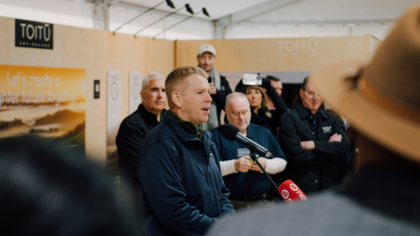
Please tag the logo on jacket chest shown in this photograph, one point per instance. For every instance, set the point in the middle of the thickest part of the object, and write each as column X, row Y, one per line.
column 222, row 88
column 327, row 129
column 211, row 155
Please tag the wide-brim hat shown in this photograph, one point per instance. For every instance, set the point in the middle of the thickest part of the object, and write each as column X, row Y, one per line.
column 381, row 99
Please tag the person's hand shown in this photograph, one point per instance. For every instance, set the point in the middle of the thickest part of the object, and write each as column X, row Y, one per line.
column 243, row 164
column 266, row 83
column 263, row 163
column 213, row 90
column 309, row 145
column 336, row 138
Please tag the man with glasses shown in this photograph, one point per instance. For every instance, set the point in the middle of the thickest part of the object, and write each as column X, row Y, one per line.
column 313, row 140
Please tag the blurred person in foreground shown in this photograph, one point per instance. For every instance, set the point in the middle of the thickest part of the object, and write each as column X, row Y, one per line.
column 261, row 113
column 219, row 86
column 314, row 141
column 245, row 180
column 382, row 103
column 136, row 126
column 51, row 191
column 181, row 189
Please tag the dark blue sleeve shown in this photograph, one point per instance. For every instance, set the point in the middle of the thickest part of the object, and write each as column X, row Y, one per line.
column 216, row 139
column 227, row 207
column 160, row 176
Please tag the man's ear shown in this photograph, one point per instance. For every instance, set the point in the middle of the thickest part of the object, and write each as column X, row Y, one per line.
column 176, row 99
column 301, row 93
column 141, row 95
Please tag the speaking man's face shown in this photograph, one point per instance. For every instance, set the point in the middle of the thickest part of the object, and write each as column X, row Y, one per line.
column 206, row 61
column 238, row 113
column 154, row 96
column 195, row 104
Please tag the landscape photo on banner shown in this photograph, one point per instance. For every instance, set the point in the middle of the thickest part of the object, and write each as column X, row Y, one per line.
column 44, row 102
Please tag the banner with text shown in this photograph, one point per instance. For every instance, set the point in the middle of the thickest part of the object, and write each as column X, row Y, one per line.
column 44, row 102
column 135, row 88
column 113, row 119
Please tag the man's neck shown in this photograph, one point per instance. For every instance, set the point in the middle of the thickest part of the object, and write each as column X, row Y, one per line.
column 182, row 116
column 155, row 112
column 312, row 111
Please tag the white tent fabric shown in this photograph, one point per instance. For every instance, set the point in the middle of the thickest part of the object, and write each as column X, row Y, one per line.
column 337, row 10
column 305, row 18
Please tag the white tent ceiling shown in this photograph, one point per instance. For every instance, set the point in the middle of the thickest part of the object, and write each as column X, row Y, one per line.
column 301, row 10
column 216, row 8
column 246, row 18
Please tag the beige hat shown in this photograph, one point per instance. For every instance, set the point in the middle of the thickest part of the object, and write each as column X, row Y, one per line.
column 206, row 48
column 382, row 99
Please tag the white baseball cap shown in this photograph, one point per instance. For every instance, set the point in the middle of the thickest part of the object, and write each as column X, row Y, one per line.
column 206, row 48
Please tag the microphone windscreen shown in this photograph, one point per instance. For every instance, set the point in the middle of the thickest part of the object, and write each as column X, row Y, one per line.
column 291, row 193
column 229, row 131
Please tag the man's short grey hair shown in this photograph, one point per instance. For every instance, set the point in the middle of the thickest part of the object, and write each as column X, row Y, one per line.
column 233, row 95
column 146, row 80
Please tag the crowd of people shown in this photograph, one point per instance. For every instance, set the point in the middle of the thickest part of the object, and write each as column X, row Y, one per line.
column 186, row 178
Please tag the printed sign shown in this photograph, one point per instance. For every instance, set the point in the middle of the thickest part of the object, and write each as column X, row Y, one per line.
column 45, row 102
column 135, row 88
column 32, row 34
column 113, row 114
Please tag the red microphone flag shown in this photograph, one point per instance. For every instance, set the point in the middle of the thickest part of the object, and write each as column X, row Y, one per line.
column 290, row 192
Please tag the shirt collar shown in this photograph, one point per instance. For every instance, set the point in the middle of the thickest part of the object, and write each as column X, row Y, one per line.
column 146, row 114
column 304, row 113
column 184, row 135
column 250, row 131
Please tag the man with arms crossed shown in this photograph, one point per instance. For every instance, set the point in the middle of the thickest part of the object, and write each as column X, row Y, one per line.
column 314, row 141
column 181, row 188
column 245, row 180
column 218, row 84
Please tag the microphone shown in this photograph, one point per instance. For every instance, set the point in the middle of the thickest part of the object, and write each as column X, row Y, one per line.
column 291, row 193
column 231, row 132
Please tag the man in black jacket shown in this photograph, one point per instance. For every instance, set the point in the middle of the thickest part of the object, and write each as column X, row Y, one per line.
column 218, row 84
column 313, row 140
column 136, row 126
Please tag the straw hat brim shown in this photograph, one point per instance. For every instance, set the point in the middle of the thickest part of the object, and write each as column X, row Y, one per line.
column 389, row 129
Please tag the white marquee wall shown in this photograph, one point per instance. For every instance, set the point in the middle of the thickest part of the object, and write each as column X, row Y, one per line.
column 80, row 14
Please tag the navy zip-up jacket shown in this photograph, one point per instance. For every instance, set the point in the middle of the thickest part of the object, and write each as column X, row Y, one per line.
column 181, row 187
column 251, row 183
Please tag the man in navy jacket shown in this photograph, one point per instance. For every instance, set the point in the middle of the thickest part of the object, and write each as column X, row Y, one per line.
column 181, row 188
column 313, row 141
column 247, row 183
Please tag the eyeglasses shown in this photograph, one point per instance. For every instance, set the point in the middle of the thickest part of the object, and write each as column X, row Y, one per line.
column 311, row 93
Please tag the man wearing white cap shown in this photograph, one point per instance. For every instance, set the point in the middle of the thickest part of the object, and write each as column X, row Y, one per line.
column 382, row 102
column 218, row 84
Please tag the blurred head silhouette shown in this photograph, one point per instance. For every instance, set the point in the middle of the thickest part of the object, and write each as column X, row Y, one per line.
column 49, row 191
